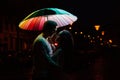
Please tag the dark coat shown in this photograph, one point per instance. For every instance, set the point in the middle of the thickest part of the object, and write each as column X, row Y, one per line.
column 42, row 62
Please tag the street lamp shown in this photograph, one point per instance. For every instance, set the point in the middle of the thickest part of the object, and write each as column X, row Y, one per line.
column 97, row 40
column 97, row 27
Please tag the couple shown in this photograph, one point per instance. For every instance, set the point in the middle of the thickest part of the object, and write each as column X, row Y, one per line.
column 46, row 59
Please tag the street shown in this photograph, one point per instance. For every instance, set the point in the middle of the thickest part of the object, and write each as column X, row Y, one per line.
column 89, row 66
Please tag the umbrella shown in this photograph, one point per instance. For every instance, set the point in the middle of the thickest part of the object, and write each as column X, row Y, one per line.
column 36, row 19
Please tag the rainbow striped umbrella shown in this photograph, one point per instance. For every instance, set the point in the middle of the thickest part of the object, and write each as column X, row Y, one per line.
column 36, row 19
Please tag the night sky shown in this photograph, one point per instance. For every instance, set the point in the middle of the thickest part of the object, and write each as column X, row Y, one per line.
column 89, row 12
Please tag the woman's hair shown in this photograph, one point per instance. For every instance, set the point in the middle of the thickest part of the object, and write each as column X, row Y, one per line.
column 65, row 39
column 66, row 45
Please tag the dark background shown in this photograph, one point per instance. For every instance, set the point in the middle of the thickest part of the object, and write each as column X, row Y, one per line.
column 89, row 12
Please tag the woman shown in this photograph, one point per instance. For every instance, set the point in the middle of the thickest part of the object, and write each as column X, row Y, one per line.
column 65, row 49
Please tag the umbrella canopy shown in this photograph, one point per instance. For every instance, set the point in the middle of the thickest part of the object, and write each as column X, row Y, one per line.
column 36, row 19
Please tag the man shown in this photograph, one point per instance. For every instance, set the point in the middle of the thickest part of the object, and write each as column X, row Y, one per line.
column 42, row 50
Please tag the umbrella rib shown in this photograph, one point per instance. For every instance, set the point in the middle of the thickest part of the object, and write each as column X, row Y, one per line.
column 28, row 23
column 61, row 21
column 41, row 22
column 72, row 18
column 32, row 24
column 56, row 19
column 43, row 19
column 64, row 20
column 37, row 23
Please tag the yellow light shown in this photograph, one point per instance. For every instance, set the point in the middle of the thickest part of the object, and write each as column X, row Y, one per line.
column 110, row 41
column 88, row 35
column 97, row 27
column 81, row 32
column 70, row 27
column 100, row 39
column 103, row 32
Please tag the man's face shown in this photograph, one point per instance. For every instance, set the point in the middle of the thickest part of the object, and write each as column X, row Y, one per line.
column 52, row 31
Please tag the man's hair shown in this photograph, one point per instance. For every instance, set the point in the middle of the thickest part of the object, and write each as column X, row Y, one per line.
column 49, row 25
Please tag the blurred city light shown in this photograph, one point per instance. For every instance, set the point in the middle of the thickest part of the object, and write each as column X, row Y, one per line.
column 110, row 41
column 70, row 27
column 103, row 33
column 97, row 27
column 75, row 32
column 56, row 44
column 81, row 32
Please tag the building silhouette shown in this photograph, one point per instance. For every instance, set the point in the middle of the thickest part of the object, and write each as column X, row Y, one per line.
column 12, row 38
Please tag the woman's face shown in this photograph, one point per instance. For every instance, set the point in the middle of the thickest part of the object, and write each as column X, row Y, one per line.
column 57, row 40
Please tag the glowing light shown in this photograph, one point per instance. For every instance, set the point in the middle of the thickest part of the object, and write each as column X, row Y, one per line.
column 81, row 32
column 110, row 41
column 93, row 37
column 91, row 41
column 98, row 36
column 88, row 35
column 75, row 32
column 56, row 44
column 100, row 39
column 103, row 33
column 25, row 46
column 70, row 27
column 97, row 27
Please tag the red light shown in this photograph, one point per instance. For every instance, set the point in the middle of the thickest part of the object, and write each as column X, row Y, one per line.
column 56, row 44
